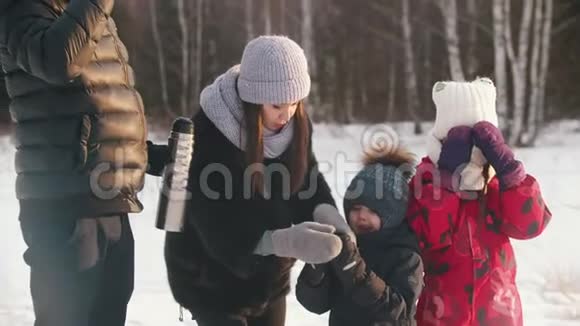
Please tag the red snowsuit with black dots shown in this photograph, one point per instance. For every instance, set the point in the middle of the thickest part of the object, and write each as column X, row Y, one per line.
column 470, row 266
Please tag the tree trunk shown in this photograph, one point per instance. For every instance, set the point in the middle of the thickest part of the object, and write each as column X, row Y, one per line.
column 427, row 73
column 449, row 11
column 267, row 18
column 519, row 64
column 472, row 60
column 500, row 67
column 349, row 96
column 349, row 66
column 531, row 124
column 392, row 80
column 331, row 85
column 197, row 72
column 539, row 69
column 410, row 73
column 283, row 17
column 160, row 57
column 339, row 91
column 184, row 56
column 308, row 45
column 249, row 19
column 545, row 62
column 361, row 80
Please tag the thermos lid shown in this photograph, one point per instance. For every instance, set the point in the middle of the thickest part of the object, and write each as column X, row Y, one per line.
column 183, row 125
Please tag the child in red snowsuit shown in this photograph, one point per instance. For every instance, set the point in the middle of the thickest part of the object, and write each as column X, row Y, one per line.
column 464, row 215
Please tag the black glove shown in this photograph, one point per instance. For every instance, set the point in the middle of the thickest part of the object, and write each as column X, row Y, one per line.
column 313, row 275
column 315, row 288
column 158, row 157
column 348, row 267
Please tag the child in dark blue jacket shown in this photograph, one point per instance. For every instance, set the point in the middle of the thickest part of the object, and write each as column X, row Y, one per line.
column 378, row 277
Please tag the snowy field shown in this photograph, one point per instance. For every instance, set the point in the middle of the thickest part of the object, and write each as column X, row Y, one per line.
column 549, row 266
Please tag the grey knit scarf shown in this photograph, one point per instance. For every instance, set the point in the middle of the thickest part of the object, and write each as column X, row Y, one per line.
column 222, row 105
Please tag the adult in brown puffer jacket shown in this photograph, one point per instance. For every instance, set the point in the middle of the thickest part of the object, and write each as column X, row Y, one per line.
column 80, row 155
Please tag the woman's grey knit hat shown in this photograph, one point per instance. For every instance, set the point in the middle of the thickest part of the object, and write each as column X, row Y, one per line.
column 273, row 70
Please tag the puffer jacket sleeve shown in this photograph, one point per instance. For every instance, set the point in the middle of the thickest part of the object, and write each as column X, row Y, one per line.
column 314, row 191
column 432, row 212
column 54, row 49
column 314, row 288
column 392, row 302
column 520, row 210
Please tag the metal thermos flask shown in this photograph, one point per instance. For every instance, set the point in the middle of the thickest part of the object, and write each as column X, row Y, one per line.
column 174, row 195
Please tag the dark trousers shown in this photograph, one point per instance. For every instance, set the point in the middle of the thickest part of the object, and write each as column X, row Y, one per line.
column 64, row 294
column 275, row 315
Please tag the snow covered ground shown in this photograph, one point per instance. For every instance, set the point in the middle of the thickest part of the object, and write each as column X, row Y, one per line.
column 549, row 266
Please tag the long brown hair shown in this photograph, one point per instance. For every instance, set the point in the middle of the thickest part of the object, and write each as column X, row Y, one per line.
column 298, row 149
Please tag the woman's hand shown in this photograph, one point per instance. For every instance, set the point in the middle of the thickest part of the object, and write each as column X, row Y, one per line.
column 311, row 242
column 328, row 214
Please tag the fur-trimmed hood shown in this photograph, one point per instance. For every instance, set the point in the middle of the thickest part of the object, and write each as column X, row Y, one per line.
column 393, row 157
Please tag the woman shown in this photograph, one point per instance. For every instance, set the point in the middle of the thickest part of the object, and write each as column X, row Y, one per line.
column 255, row 189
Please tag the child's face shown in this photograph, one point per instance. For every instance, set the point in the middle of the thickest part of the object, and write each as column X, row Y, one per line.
column 363, row 220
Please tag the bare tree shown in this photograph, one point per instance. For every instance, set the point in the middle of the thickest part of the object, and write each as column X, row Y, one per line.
column 427, row 72
column 392, row 88
column 283, row 11
column 249, row 19
column 471, row 55
column 425, row 53
column 308, row 45
column 349, row 98
column 410, row 72
column 181, row 14
column 538, row 68
column 347, row 43
column 267, row 18
column 500, row 61
column 197, row 70
column 157, row 41
column 449, row 11
column 545, row 62
column 519, row 64
column 531, row 124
